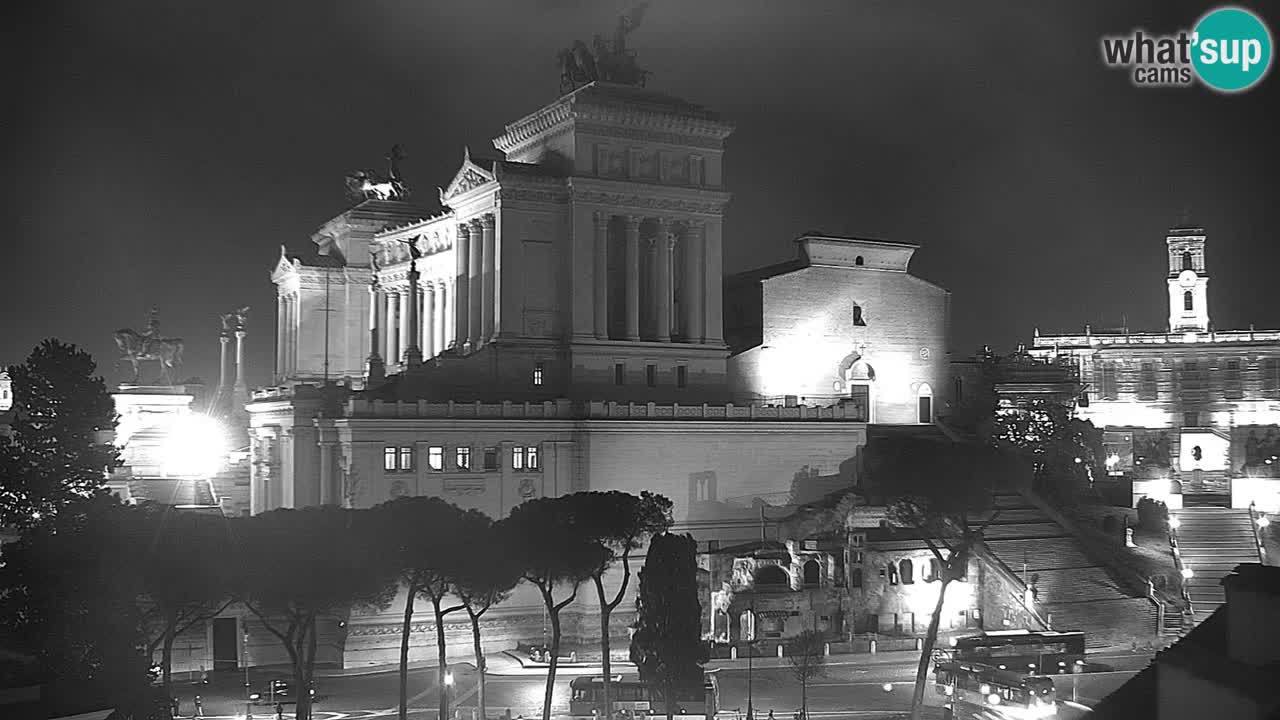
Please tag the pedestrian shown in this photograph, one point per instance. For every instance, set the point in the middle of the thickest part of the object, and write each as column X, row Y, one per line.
column 279, row 711
column 770, row 715
column 175, row 706
column 199, row 707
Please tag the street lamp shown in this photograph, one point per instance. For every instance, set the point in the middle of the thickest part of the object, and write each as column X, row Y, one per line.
column 1187, row 574
column 244, row 660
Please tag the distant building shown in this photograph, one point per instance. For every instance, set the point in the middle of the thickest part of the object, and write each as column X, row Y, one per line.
column 1188, row 410
column 1225, row 668
column 6, row 391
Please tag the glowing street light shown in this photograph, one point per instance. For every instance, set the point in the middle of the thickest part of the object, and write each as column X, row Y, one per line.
column 448, row 678
column 1174, row 523
column 887, row 687
column 1187, row 574
column 1263, row 521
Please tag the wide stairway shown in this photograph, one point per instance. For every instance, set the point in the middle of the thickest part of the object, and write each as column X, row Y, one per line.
column 1213, row 541
column 1073, row 591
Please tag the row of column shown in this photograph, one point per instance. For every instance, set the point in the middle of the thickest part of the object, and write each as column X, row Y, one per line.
column 660, row 296
column 287, row 318
column 389, row 314
column 476, row 281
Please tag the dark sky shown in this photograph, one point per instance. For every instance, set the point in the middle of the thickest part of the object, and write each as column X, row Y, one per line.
column 159, row 152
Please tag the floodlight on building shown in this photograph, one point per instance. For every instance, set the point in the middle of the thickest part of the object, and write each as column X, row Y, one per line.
column 1078, row 461
column 195, row 446
column 448, row 678
column 1187, row 574
column 994, row 699
column 1174, row 522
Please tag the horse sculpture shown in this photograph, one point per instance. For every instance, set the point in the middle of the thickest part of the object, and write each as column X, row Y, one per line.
column 136, row 347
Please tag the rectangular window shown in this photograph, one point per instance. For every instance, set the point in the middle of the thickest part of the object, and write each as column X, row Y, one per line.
column 619, row 374
column 651, row 375
column 682, row 376
column 389, row 459
column 406, row 459
column 1108, row 381
column 1232, row 388
column 435, row 458
column 1191, row 419
column 537, row 374
column 1271, row 374
column 490, row 458
column 1147, row 382
column 517, row 458
column 532, row 461
column 462, row 458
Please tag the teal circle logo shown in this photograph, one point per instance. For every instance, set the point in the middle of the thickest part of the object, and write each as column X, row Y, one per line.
column 1231, row 49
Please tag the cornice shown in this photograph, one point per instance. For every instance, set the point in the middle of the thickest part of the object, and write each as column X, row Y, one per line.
column 647, row 135
column 616, row 194
column 671, row 122
column 533, row 125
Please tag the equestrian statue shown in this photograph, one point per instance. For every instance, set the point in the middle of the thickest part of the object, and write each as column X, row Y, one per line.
column 150, row 345
column 607, row 61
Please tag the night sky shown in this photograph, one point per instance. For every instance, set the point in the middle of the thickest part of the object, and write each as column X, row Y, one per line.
column 160, row 152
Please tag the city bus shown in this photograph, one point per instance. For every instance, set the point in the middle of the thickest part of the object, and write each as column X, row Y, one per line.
column 996, row 692
column 1024, row 651
column 632, row 698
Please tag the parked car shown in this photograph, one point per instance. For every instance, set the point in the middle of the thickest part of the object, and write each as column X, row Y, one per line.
column 278, row 690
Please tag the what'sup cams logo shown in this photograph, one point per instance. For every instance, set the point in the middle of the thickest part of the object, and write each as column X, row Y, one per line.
column 1229, row 51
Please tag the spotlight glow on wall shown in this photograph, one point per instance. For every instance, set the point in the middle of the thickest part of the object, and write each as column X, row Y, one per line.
column 195, row 446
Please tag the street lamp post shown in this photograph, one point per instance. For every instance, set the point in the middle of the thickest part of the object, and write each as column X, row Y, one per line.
column 448, row 685
column 751, row 642
column 244, row 660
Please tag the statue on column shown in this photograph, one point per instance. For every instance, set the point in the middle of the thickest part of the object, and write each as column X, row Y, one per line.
column 610, row 62
column 149, row 344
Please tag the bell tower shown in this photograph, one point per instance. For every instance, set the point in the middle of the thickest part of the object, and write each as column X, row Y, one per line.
column 1188, row 280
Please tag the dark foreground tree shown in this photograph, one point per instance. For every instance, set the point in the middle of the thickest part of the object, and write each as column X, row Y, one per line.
column 295, row 566
column 943, row 492
column 667, row 646
column 552, row 553
column 487, row 572
column 806, row 656
column 619, row 522
column 425, row 538
column 59, row 447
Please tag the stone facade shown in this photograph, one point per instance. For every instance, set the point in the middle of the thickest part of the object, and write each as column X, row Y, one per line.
column 1187, row 410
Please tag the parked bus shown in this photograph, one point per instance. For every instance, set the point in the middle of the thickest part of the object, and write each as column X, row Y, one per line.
column 996, row 692
column 632, row 698
column 1023, row 651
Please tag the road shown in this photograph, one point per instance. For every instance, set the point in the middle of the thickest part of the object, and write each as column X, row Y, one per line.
column 852, row 687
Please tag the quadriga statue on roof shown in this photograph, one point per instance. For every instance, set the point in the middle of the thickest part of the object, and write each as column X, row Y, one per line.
column 607, row 61
column 369, row 185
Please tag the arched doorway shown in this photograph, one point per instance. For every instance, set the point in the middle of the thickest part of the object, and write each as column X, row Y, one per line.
column 858, row 378
column 812, row 574
column 924, row 404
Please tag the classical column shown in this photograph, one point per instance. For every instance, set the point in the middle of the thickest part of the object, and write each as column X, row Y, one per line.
column 601, row 312
column 475, row 281
column 291, row 335
column 445, row 326
column 224, row 340
column 462, row 286
column 240, row 387
column 488, row 265
column 375, row 370
column 691, row 301
column 280, row 324
column 663, row 246
column 405, row 305
column 633, row 276
column 393, row 326
column 429, row 346
column 411, row 331
column 327, row 494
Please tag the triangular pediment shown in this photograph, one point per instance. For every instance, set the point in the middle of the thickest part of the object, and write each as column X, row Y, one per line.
column 469, row 177
column 284, row 267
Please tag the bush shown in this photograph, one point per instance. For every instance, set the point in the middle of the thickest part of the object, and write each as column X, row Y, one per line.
column 1152, row 514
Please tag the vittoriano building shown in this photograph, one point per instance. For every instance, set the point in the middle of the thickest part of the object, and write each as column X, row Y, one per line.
column 1191, row 412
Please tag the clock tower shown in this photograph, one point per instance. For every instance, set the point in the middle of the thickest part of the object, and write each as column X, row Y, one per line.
column 1188, row 281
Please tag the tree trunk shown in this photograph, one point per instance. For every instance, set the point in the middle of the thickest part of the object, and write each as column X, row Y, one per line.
column 554, row 615
column 404, row 652
column 669, row 699
column 442, row 671
column 480, row 664
column 926, row 652
column 606, row 681
column 804, row 695
column 166, row 654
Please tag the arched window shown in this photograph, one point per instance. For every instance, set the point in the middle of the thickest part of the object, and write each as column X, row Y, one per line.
column 771, row 576
column 855, row 578
column 935, row 570
column 893, row 574
column 1187, row 263
column 1187, row 303
column 812, row 573
column 924, row 403
column 907, row 570
column 858, row 261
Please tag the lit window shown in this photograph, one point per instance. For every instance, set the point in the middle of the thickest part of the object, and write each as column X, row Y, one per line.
column 462, row 458
column 537, row 374
column 517, row 458
column 651, row 375
column 682, row 376
column 490, row 458
column 406, row 459
column 435, row 458
column 389, row 459
column 619, row 374
column 531, row 458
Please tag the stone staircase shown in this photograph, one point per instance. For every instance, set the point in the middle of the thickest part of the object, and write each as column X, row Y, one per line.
column 1212, row 542
column 1073, row 591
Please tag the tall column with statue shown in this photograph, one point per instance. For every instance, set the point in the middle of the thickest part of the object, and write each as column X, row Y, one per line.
column 375, row 370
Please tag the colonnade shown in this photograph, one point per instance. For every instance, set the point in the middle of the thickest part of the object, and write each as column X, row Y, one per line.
column 389, row 313
column 287, row 322
column 655, row 307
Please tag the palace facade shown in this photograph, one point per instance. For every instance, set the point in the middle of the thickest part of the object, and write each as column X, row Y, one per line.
column 1191, row 412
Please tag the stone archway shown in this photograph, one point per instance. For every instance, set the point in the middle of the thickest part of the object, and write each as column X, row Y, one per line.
column 857, row 385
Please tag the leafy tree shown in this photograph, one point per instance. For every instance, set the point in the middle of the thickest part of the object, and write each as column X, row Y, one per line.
column 806, row 656
column 667, row 645
column 941, row 490
column 1064, row 450
column 427, row 538
column 486, row 574
column 57, row 452
column 618, row 522
column 296, row 565
column 552, row 552
column 185, row 576
column 69, row 591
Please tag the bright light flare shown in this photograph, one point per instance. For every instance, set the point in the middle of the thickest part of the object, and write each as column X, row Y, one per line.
column 448, row 678
column 887, row 687
column 1174, row 523
column 1263, row 521
column 1187, row 574
column 195, row 446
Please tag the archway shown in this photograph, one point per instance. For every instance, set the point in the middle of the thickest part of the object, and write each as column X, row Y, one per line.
column 771, row 577
column 812, row 574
